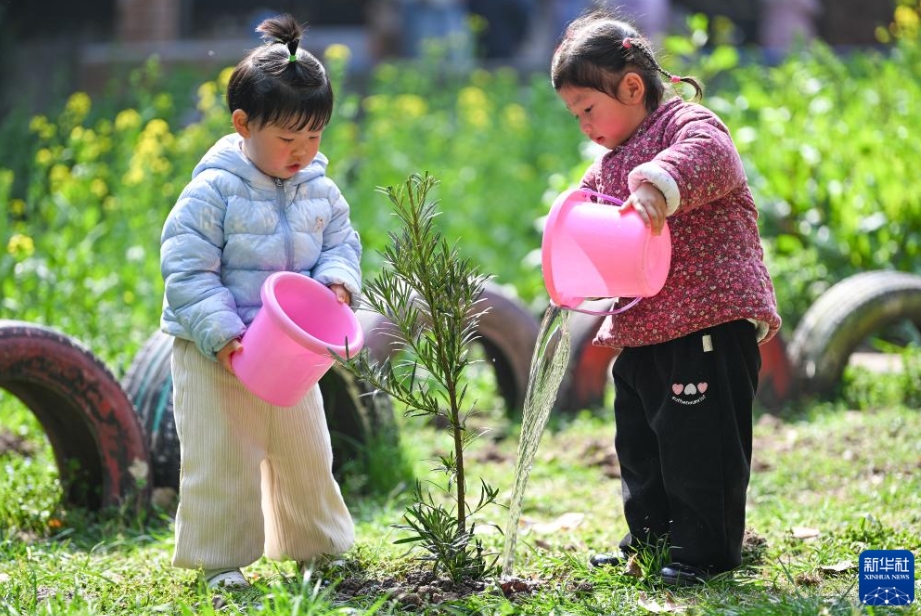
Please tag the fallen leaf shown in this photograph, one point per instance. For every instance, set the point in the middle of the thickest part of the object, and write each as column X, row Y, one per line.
column 841, row 567
column 633, row 567
column 804, row 532
column 567, row 521
column 668, row 606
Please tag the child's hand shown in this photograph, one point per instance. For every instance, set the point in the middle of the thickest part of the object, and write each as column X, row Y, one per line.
column 223, row 356
column 342, row 293
column 650, row 204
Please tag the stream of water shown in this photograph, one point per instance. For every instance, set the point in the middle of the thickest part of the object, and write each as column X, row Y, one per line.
column 548, row 365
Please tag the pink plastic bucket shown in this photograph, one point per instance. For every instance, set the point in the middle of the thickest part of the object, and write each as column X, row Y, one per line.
column 592, row 250
column 286, row 348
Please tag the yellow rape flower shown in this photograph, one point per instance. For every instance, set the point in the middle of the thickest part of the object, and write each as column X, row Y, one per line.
column 906, row 21
column 126, row 120
column 20, row 246
column 37, row 123
column 163, row 102
column 42, row 127
column 207, row 96
column 474, row 107
column 410, row 106
column 161, row 166
column 375, row 103
column 337, row 53
column 43, row 157
column 59, row 175
column 157, row 128
column 472, row 97
column 17, row 207
column 98, row 188
column 134, row 176
column 224, row 77
column 78, row 105
column 515, row 117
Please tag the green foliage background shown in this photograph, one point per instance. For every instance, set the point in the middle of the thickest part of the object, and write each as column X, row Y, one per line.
column 829, row 141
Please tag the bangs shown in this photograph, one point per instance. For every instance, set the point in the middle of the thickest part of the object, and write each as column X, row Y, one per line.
column 292, row 108
column 584, row 74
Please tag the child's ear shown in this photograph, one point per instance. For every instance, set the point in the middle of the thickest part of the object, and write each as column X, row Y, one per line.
column 240, row 122
column 632, row 89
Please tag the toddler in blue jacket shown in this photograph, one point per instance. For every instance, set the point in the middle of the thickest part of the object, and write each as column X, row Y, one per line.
column 256, row 479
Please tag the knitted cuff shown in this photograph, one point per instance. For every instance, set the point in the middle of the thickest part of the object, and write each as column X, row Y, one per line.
column 658, row 177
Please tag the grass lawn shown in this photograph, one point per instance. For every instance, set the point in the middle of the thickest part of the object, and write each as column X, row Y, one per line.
column 827, row 484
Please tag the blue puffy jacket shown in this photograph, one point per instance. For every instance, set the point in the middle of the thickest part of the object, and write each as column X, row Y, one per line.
column 232, row 227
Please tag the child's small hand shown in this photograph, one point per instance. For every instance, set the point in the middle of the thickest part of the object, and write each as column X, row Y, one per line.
column 342, row 293
column 650, row 204
column 223, row 356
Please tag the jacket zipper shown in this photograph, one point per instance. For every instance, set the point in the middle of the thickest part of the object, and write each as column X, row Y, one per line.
column 286, row 226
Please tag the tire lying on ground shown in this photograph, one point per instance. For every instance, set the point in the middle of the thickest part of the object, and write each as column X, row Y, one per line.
column 506, row 331
column 588, row 373
column 845, row 316
column 354, row 414
column 98, row 443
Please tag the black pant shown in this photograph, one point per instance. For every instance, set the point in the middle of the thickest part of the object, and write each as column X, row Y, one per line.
column 684, row 440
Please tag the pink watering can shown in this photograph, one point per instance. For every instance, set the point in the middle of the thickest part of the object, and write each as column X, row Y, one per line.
column 593, row 250
column 286, row 348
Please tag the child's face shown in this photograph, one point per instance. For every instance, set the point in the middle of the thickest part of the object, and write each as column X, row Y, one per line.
column 606, row 120
column 277, row 151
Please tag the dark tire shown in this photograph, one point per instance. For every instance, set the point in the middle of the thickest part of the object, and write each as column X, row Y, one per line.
column 149, row 385
column 98, row 443
column 379, row 335
column 354, row 414
column 588, row 374
column 507, row 332
column 776, row 380
column 844, row 317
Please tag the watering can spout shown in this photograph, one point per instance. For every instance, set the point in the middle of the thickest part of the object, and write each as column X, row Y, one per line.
column 600, row 249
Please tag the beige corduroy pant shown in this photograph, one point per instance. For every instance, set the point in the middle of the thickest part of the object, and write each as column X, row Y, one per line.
column 256, row 479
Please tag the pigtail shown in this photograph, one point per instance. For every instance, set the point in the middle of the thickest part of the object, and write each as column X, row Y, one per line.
column 279, row 83
column 633, row 47
column 283, row 30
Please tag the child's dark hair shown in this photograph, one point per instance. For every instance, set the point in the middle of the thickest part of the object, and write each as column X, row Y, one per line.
column 279, row 84
column 598, row 49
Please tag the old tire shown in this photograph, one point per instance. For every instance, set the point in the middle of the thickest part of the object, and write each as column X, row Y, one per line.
column 354, row 414
column 98, row 443
column 843, row 317
column 507, row 332
column 588, row 373
column 776, row 380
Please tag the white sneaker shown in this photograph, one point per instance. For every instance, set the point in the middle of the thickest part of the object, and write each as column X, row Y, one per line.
column 226, row 578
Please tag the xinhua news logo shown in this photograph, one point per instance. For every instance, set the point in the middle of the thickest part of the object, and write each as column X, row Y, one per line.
column 887, row 577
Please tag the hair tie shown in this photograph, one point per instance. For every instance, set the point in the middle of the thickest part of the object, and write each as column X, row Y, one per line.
column 292, row 58
column 627, row 43
column 675, row 79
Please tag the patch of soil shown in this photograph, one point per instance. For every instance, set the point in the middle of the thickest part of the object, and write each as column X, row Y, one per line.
column 420, row 589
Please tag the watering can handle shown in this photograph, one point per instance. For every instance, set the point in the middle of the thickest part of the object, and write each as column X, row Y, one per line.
column 604, row 313
column 608, row 198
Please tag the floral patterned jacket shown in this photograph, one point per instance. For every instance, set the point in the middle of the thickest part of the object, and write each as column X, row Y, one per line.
column 717, row 273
